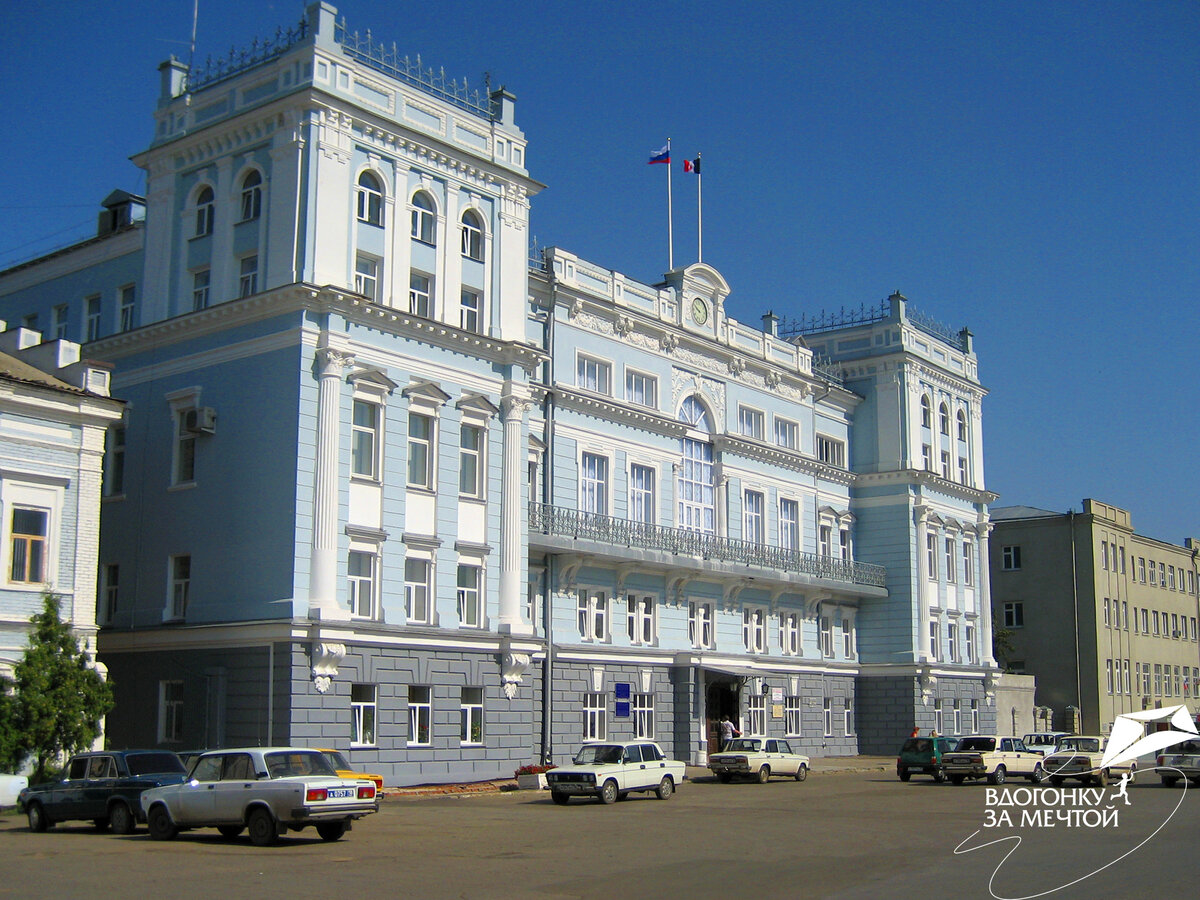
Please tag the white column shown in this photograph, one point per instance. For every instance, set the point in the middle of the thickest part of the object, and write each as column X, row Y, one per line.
column 322, row 584
column 512, row 412
column 924, row 651
column 983, row 529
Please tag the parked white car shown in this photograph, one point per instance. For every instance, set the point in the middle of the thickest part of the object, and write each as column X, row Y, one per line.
column 613, row 769
column 993, row 757
column 1180, row 762
column 1044, row 742
column 758, row 758
column 266, row 790
column 1079, row 756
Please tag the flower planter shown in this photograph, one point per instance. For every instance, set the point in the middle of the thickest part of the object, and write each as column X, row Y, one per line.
column 532, row 782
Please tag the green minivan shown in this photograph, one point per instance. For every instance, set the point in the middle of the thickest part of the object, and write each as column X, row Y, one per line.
column 923, row 756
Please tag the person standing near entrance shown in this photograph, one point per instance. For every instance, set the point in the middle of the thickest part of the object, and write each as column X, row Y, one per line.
column 728, row 731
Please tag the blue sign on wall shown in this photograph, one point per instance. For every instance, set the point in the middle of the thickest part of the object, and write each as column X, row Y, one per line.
column 623, row 690
column 622, row 709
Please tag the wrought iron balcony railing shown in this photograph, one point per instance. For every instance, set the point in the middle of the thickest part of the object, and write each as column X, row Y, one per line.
column 558, row 521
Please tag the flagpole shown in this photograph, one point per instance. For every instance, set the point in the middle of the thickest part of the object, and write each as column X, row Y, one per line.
column 699, row 213
column 670, row 224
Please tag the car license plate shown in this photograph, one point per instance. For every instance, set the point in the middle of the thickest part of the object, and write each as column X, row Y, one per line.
column 339, row 793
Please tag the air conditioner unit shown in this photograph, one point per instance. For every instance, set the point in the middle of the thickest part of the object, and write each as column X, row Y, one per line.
column 202, row 420
column 1175, row 634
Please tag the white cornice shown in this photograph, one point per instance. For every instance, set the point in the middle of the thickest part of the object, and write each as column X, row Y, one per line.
column 629, row 414
column 923, row 478
column 791, row 459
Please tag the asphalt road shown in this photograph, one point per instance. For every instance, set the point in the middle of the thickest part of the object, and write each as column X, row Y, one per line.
column 844, row 836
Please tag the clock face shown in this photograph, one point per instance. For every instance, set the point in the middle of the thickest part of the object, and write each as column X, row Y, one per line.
column 699, row 311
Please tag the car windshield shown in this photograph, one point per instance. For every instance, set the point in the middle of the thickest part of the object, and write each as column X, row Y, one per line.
column 336, row 759
column 744, row 744
column 978, row 744
column 154, row 764
column 298, row 762
column 1083, row 745
column 599, row 754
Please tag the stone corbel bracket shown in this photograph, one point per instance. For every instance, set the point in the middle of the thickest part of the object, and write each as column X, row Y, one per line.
column 928, row 686
column 989, row 687
column 513, row 666
column 325, row 661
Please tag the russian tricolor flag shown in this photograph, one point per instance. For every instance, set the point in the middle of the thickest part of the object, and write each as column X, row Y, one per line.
column 661, row 156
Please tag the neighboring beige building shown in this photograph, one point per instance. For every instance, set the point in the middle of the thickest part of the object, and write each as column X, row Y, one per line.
column 1105, row 618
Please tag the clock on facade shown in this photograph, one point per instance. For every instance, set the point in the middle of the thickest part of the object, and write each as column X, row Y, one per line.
column 699, row 311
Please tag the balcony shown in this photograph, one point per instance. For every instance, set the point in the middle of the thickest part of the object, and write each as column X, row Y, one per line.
column 637, row 537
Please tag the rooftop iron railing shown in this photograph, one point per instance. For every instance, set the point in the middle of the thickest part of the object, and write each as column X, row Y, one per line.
column 868, row 315
column 259, row 52
column 559, row 521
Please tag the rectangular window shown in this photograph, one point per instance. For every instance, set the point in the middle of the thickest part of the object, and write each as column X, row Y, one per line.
column 950, row 560
column 831, row 451
column 641, row 494
column 595, row 717
column 935, row 641
column 593, row 484
column 1014, row 614
column 787, row 434
column 643, row 717
column 789, row 633
column 927, row 457
column 114, row 461
column 201, row 281
column 962, row 470
column 826, row 636
column 1145, row 620
column 756, row 714
column 1125, row 615
column 420, row 450
column 974, row 717
column 128, row 308
column 111, row 588
column 170, row 712
column 844, row 543
column 360, row 573
column 1174, row 625
column 92, row 311
column 1158, row 679
column 470, row 605
column 952, row 643
column 470, row 458
column 825, row 539
column 366, row 276
column 251, row 197
column 641, row 623
column 420, row 715
column 939, row 716
column 828, row 717
column 1107, row 620
column 364, row 439
column 945, row 465
column 58, row 321
column 185, row 451
column 1146, row 678
column 248, row 276
column 700, row 625
column 1125, row 676
column 792, row 718
column 181, row 585
column 789, row 524
column 969, row 644
column 931, row 556
column 750, row 422
column 847, row 639
column 1011, row 558
column 593, row 616
column 423, row 221
column 420, row 292
column 1155, row 619
column 641, row 388
column 1104, row 555
column 362, row 715
column 470, row 304
column 848, row 716
column 471, row 716
column 753, row 520
column 417, row 591
column 968, row 555
column 957, row 717
column 593, row 374
column 1142, row 569
column 754, row 630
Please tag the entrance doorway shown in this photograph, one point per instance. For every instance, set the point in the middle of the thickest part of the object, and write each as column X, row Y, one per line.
column 721, row 699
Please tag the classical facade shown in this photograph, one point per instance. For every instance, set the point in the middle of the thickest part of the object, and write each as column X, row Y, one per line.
column 1104, row 617
column 388, row 484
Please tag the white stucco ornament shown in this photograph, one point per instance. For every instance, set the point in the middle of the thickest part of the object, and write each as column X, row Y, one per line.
column 513, row 667
column 326, row 658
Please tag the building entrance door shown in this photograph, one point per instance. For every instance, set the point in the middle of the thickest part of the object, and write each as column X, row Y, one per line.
column 721, row 700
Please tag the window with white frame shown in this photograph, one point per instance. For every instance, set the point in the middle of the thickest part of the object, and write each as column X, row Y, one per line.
column 825, row 540
column 945, row 465
column 754, row 629
column 128, row 307
column 926, row 412
column 362, row 715
column 974, row 717
column 750, row 422
column 366, row 276
column 754, row 526
column 969, row 644
column 595, row 717
column 792, row 717
column 110, row 587
column 593, row 374
column 92, row 312
column 370, row 199
column 756, row 714
column 180, row 587
column 787, row 433
column 248, row 276
column 205, row 213
column 418, row 590
column 361, row 568
column 695, row 484
column 251, row 195
column 931, row 556
column 962, row 470
column 593, row 484
column 935, row 640
column 844, row 543
column 939, row 716
column 593, row 616
column 827, row 715
column 952, row 642
column 1011, row 557
column 848, row 716
column 641, row 388
column 420, row 294
column 420, row 715
column 962, row 425
column 471, row 716
column 643, row 716
column 420, row 450
column 826, row 636
column 641, row 494
column 950, row 559
column 470, row 306
column 831, row 451
column 641, row 619
column 700, row 624
column 170, row 712
column 423, row 219
column 927, row 457
column 59, row 316
column 1014, row 614
column 114, row 461
column 470, row 595
column 472, row 235
column 847, row 639
column 968, row 558
column 944, row 419
column 789, row 633
column 789, row 524
column 201, row 283
column 957, row 717
column 470, row 460
column 184, row 470
column 365, row 430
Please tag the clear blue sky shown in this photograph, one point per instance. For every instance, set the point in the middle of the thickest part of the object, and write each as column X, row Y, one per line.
column 1028, row 170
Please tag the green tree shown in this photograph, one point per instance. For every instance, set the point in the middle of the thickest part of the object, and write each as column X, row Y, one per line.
column 11, row 754
column 60, row 698
column 1002, row 646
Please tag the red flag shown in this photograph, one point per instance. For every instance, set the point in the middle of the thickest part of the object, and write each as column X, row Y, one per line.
column 692, row 165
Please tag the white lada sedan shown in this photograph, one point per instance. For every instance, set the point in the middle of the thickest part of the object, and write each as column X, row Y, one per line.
column 613, row 769
column 758, row 758
column 265, row 790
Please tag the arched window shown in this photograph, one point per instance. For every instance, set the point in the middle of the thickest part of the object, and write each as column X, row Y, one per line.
column 944, row 419
column 204, row 212
column 472, row 235
column 695, row 487
column 251, row 195
column 926, row 412
column 370, row 199
column 962, row 425
column 422, row 218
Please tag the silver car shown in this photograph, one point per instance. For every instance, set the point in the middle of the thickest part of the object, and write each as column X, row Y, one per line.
column 265, row 790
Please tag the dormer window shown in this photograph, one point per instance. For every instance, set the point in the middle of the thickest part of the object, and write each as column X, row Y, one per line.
column 204, row 212
column 472, row 235
column 251, row 196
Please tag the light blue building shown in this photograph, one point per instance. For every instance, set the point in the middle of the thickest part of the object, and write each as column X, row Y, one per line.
column 387, row 485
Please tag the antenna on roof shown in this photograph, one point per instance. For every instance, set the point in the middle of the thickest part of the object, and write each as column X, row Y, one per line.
column 192, row 49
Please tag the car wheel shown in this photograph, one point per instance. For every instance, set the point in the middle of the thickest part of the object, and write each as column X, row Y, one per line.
column 229, row 832
column 998, row 776
column 159, row 823
column 939, row 775
column 665, row 788
column 763, row 775
column 1039, row 774
column 724, row 777
column 263, row 832
column 38, row 820
column 1101, row 778
column 608, row 792
column 1166, row 782
column 331, row 831
column 121, row 819
column 802, row 773
column 560, row 798
column 904, row 774
column 957, row 779
column 1057, row 780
